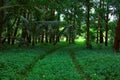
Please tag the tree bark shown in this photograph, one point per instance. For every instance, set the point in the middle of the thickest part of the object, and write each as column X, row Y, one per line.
column 97, row 36
column 88, row 24
column 29, row 39
column 101, row 31
column 8, row 35
column 1, row 20
column 46, row 26
column 15, row 33
column 117, row 36
column 46, row 34
column 101, row 35
column 57, row 33
column 73, row 27
column 24, row 29
column 42, row 37
column 9, row 31
column 106, row 35
column 33, row 41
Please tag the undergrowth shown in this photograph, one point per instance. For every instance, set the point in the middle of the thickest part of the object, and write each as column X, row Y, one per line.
column 99, row 63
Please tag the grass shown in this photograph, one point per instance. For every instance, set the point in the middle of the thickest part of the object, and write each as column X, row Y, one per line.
column 99, row 63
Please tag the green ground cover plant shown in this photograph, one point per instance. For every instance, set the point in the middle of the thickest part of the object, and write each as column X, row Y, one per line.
column 12, row 63
column 48, row 62
column 99, row 65
column 57, row 66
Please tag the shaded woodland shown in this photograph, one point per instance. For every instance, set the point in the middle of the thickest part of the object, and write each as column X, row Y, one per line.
column 59, row 39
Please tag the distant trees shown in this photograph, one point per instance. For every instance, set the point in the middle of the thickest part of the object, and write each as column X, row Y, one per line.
column 39, row 21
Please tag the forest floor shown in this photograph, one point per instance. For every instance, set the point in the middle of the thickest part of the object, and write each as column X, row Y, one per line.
column 60, row 62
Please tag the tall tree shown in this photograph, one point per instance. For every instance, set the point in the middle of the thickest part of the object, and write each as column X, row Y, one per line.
column 106, row 21
column 117, row 36
column 1, row 20
column 100, row 20
column 115, row 3
column 88, row 24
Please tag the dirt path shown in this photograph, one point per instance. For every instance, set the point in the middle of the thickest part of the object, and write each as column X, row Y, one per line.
column 30, row 67
column 78, row 67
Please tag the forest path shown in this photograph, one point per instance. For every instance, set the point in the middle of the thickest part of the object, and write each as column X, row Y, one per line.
column 30, row 67
column 78, row 67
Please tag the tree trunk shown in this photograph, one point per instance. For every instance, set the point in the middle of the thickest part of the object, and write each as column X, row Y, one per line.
column 73, row 34
column 88, row 24
column 100, row 26
column 70, row 34
column 57, row 39
column 3, row 40
column 46, row 34
column 28, row 39
column 9, row 31
column 106, row 35
column 1, row 21
column 8, row 35
column 97, row 36
column 117, row 36
column 53, row 39
column 73, row 27
column 57, row 33
column 101, row 35
column 15, row 33
column 46, row 26
column 33, row 41
column 24, row 30
column 24, row 33
column 42, row 37
column 50, row 39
